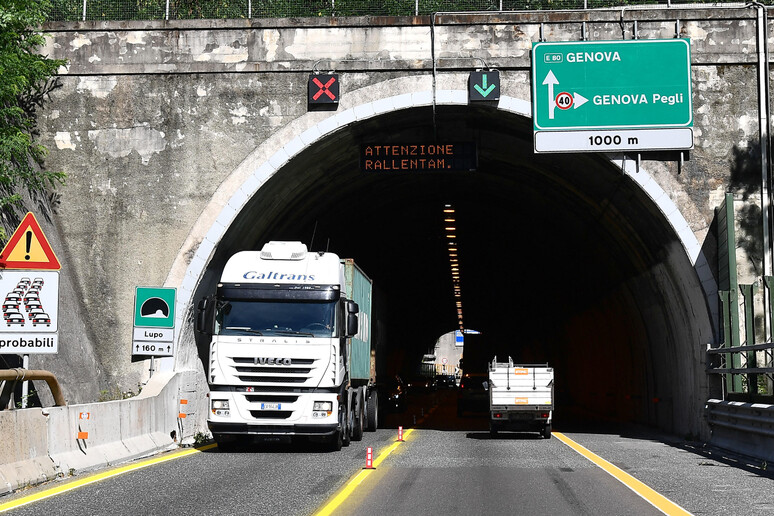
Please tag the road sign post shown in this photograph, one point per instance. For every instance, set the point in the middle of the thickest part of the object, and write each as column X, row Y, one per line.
column 603, row 96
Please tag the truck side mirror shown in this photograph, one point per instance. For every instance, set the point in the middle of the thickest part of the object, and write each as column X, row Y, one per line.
column 205, row 315
column 352, row 321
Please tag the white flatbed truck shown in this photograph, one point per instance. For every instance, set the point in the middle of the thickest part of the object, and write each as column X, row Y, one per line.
column 521, row 397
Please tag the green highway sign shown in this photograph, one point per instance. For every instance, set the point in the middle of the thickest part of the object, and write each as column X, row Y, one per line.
column 618, row 95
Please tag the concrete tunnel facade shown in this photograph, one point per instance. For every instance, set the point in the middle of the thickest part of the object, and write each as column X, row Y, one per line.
column 582, row 261
column 186, row 141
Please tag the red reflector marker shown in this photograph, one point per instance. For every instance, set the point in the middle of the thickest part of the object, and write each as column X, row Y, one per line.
column 369, row 458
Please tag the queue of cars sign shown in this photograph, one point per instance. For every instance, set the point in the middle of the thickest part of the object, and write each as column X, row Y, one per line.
column 29, row 286
column 30, row 312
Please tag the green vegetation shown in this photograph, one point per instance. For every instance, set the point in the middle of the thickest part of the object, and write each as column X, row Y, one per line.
column 26, row 80
column 72, row 10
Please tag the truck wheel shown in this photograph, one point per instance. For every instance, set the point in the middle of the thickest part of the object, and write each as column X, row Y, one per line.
column 336, row 442
column 359, row 416
column 547, row 432
column 372, row 411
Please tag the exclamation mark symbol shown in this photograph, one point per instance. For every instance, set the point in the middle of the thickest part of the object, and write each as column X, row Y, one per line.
column 29, row 243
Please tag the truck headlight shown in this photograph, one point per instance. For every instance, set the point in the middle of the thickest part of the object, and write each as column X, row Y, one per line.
column 323, row 406
column 220, row 408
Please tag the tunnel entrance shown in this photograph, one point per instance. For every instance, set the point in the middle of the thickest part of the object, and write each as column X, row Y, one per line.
column 563, row 258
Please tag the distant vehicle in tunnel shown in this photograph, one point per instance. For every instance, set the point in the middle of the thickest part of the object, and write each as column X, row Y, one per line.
column 291, row 348
column 444, row 381
column 419, row 384
column 394, row 395
column 472, row 394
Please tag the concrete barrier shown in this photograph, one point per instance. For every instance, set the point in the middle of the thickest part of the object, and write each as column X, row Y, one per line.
column 23, row 455
column 43, row 444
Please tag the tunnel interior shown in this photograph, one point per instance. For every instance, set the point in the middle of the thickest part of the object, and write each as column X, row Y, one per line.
column 563, row 258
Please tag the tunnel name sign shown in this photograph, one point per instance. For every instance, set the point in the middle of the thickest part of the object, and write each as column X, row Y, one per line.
column 154, row 321
column 603, row 96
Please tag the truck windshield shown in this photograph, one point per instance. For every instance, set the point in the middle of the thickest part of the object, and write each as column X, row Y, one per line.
column 310, row 319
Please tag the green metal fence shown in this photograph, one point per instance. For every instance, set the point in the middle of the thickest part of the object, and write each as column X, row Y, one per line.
column 81, row 10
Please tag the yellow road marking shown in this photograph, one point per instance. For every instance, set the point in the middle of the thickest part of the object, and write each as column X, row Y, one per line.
column 356, row 480
column 659, row 501
column 98, row 477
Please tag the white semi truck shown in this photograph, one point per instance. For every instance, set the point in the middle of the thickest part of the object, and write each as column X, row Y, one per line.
column 521, row 397
column 290, row 349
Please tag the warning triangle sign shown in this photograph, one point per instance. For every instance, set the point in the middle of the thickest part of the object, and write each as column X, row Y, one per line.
column 28, row 248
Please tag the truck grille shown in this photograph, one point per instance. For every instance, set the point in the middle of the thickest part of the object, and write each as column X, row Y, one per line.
column 299, row 371
column 265, row 414
column 272, row 379
column 264, row 398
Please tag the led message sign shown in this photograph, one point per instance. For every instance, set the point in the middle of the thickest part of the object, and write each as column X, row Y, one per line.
column 418, row 157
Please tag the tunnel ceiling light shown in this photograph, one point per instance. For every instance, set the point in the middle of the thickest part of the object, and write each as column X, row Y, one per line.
column 450, row 228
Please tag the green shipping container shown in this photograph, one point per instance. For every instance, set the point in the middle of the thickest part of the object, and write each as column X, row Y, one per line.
column 358, row 287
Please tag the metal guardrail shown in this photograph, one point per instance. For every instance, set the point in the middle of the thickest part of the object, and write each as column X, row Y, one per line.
column 86, row 10
column 755, row 418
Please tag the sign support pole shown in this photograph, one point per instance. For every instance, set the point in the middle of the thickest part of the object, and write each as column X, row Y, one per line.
column 25, row 383
column 150, row 375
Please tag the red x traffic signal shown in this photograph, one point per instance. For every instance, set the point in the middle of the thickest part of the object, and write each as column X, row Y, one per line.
column 324, row 89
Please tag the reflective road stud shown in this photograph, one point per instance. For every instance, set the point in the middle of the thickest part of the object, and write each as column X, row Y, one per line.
column 369, row 458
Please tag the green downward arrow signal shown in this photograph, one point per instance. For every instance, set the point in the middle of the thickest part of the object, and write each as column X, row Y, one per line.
column 483, row 89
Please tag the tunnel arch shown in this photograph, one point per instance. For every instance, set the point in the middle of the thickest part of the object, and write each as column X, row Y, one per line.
column 677, row 278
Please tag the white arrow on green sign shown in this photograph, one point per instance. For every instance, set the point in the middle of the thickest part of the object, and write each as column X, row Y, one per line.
column 630, row 85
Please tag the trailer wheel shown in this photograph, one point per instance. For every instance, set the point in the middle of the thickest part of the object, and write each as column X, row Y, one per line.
column 359, row 416
column 346, row 421
column 372, row 411
column 546, row 432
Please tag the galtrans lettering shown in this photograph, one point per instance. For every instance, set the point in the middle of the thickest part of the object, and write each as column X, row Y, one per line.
column 254, row 275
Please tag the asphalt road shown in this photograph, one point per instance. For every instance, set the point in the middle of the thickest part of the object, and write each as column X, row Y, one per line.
column 448, row 465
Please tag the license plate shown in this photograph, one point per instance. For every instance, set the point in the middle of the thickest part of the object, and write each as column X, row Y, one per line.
column 270, row 406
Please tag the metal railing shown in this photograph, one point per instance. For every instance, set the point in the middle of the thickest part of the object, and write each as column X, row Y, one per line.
column 83, row 10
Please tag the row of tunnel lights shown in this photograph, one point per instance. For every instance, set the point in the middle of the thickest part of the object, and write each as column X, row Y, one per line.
column 450, row 227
